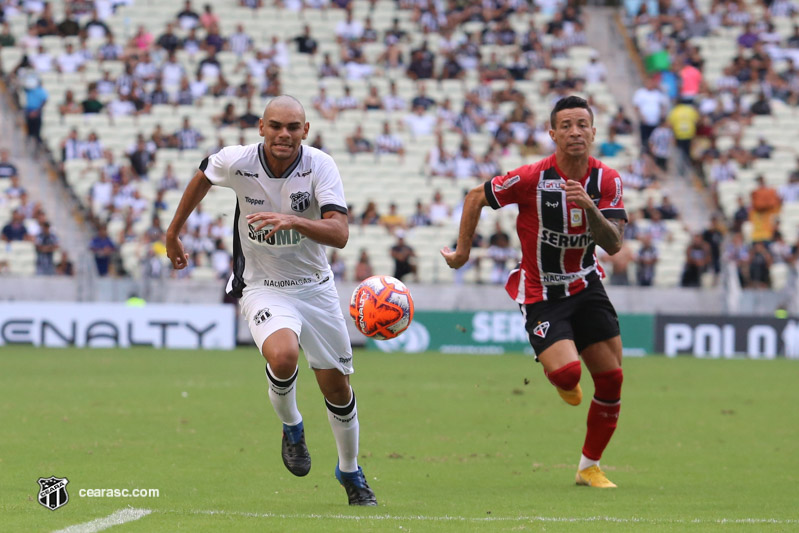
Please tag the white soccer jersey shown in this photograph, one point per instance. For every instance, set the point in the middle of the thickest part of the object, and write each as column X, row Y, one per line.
column 310, row 187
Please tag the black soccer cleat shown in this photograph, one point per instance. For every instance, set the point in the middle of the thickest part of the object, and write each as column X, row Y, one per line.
column 357, row 488
column 294, row 451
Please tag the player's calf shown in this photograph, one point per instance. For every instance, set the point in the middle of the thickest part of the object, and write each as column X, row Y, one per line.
column 603, row 416
column 344, row 423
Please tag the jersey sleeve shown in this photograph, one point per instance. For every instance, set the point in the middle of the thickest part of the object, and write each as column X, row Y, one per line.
column 508, row 189
column 216, row 167
column 329, row 189
column 611, row 203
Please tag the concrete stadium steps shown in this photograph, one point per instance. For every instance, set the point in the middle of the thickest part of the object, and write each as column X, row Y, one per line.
column 20, row 257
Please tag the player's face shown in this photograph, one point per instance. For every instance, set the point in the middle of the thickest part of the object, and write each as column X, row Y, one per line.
column 283, row 128
column 573, row 132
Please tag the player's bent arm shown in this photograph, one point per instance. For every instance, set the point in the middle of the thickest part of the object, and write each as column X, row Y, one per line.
column 607, row 232
column 195, row 191
column 473, row 204
column 332, row 229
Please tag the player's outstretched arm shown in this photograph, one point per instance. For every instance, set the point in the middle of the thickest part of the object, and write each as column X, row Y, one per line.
column 474, row 202
column 331, row 230
column 195, row 191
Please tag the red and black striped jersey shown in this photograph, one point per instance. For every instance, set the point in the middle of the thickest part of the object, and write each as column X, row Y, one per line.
column 558, row 258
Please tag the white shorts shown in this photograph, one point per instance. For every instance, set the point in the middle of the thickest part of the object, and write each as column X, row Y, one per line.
column 315, row 316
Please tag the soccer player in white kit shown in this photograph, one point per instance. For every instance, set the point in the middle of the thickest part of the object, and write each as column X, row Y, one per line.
column 290, row 204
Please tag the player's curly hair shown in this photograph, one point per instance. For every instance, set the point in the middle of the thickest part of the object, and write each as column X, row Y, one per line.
column 570, row 102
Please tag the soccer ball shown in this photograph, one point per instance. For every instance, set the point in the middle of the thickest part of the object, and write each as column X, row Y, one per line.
column 381, row 307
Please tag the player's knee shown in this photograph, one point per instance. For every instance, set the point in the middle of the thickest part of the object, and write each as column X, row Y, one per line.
column 566, row 377
column 607, row 385
column 339, row 394
column 283, row 364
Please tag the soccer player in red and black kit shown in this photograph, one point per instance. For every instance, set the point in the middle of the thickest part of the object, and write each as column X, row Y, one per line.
column 568, row 203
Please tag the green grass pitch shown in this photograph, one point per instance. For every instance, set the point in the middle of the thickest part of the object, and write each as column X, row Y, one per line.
column 448, row 442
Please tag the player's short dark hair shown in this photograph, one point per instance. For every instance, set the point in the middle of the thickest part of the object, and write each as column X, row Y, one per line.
column 570, row 102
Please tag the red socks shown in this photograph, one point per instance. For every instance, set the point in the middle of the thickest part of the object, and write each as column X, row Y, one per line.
column 566, row 377
column 603, row 413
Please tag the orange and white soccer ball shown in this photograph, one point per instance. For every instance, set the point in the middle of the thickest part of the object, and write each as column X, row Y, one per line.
column 382, row 307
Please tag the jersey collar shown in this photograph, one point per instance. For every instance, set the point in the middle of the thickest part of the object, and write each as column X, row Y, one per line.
column 269, row 173
column 591, row 165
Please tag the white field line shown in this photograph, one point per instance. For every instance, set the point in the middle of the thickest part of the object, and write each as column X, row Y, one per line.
column 447, row 518
column 114, row 519
column 129, row 515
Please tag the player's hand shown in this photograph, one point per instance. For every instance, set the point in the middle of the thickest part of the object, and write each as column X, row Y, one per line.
column 176, row 253
column 577, row 194
column 453, row 259
column 278, row 221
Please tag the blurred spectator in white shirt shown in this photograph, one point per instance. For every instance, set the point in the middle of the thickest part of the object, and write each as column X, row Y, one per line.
column 420, row 123
column 594, row 71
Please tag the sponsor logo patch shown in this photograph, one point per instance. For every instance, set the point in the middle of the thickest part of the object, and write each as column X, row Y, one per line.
column 576, row 217
column 566, row 240
column 541, row 329
column 507, row 183
column 617, row 198
column 548, row 185
column 246, row 174
column 287, row 282
column 560, row 278
column 552, row 204
column 282, row 237
column 253, row 201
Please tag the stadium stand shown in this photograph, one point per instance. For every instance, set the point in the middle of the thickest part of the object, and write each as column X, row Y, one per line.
column 735, row 64
column 481, row 80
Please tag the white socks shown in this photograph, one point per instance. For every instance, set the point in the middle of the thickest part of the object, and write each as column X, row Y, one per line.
column 283, row 395
column 585, row 462
column 343, row 418
column 344, row 423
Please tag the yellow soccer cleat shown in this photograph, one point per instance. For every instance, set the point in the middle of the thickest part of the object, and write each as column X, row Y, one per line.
column 571, row 397
column 594, row 477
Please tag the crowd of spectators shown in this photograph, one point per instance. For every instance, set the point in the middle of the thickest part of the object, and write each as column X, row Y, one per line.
column 28, row 222
column 680, row 112
column 697, row 120
column 179, row 66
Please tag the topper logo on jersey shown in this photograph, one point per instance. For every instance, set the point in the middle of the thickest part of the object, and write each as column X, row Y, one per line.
column 246, row 174
column 253, row 201
column 300, row 201
column 303, row 174
column 564, row 240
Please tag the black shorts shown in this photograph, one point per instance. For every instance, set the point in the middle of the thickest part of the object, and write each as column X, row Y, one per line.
column 585, row 318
